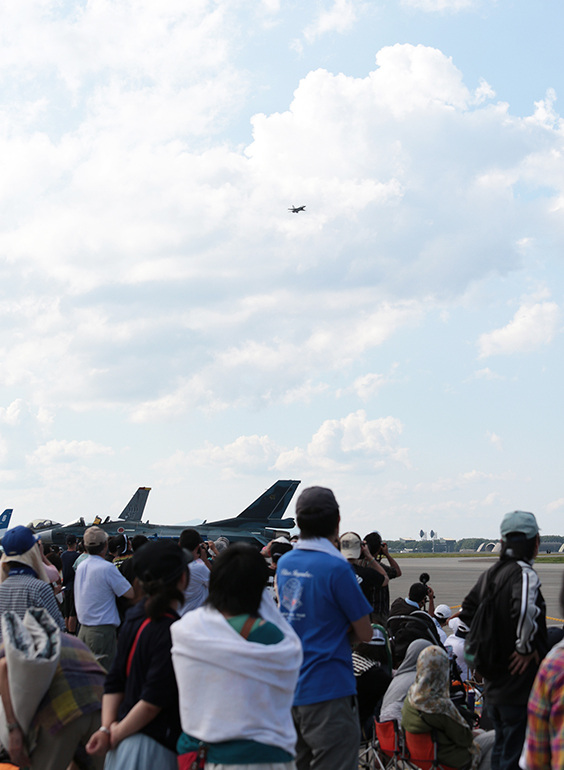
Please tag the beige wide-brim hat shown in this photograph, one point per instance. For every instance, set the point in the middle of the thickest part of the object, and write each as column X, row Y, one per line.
column 31, row 558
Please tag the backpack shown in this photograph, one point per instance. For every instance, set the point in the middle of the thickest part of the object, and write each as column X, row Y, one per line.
column 404, row 629
column 484, row 650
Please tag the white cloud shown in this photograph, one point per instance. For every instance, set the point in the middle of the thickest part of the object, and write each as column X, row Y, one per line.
column 339, row 18
column 487, row 374
column 282, row 366
column 555, row 505
column 464, row 480
column 337, row 446
column 156, row 291
column 434, row 6
column 353, row 441
column 140, row 232
column 495, row 440
column 11, row 414
column 125, row 197
column 483, row 93
column 55, row 451
column 247, row 454
column 369, row 385
column 533, row 326
column 305, row 393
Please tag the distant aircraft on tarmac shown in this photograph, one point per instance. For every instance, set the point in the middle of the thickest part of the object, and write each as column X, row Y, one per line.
column 296, row 209
column 256, row 524
column 5, row 519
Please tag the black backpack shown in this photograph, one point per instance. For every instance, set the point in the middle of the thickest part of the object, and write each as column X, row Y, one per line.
column 484, row 649
column 404, row 629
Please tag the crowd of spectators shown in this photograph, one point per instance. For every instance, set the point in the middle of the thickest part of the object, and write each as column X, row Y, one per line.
column 202, row 654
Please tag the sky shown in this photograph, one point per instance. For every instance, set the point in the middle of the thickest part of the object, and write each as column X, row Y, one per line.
column 165, row 321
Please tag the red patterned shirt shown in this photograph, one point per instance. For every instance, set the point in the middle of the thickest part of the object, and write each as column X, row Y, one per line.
column 544, row 744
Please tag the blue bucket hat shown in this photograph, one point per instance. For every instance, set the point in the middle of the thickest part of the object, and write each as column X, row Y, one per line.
column 18, row 540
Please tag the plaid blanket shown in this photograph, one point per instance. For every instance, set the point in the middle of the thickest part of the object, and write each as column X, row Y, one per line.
column 76, row 689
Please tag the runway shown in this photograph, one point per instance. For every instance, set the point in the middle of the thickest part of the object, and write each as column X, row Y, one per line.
column 453, row 578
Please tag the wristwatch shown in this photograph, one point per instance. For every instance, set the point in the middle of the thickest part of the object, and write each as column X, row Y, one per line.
column 13, row 726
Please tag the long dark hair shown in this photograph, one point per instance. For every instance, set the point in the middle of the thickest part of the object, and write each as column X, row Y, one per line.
column 160, row 595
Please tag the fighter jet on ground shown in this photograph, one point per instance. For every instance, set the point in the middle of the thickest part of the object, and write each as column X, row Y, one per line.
column 54, row 532
column 5, row 519
column 257, row 524
column 296, row 209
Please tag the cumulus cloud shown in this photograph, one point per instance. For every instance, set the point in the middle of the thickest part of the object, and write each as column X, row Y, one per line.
column 533, row 326
column 368, row 385
column 67, row 451
column 11, row 414
column 122, row 208
column 337, row 446
column 340, row 17
column 282, row 364
column 150, row 269
column 245, row 454
column 352, row 440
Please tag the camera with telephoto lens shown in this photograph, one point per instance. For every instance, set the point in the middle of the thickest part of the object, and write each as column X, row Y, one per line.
column 424, row 578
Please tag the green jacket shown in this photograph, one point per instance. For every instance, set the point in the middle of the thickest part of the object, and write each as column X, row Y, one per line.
column 454, row 740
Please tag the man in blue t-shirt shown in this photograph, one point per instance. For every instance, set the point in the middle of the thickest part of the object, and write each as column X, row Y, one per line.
column 320, row 597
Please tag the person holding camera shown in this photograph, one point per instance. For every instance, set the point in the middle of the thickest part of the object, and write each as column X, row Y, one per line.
column 419, row 594
column 368, row 570
column 381, row 596
column 203, row 553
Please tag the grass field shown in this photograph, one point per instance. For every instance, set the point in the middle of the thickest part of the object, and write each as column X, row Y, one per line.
column 553, row 559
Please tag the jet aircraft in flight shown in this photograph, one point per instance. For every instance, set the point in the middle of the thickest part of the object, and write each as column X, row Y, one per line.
column 296, row 209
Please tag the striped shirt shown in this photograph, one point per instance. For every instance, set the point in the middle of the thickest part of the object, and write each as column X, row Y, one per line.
column 20, row 592
column 544, row 744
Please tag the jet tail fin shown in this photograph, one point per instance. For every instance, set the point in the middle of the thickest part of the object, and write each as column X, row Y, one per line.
column 5, row 518
column 135, row 507
column 272, row 504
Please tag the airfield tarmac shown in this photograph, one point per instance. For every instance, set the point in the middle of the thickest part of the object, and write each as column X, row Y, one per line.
column 452, row 578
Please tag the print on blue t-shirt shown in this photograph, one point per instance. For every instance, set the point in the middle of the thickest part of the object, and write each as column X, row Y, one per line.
column 320, row 598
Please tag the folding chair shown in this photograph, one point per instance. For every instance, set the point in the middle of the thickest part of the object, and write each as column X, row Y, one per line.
column 367, row 757
column 388, row 744
column 421, row 751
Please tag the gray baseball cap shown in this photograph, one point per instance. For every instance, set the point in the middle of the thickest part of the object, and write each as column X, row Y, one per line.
column 519, row 521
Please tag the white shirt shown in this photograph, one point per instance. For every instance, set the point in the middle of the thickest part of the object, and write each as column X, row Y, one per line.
column 442, row 634
column 198, row 586
column 96, row 585
column 456, row 644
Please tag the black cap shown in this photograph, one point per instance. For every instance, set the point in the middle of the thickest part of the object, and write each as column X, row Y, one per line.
column 160, row 560
column 316, row 499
